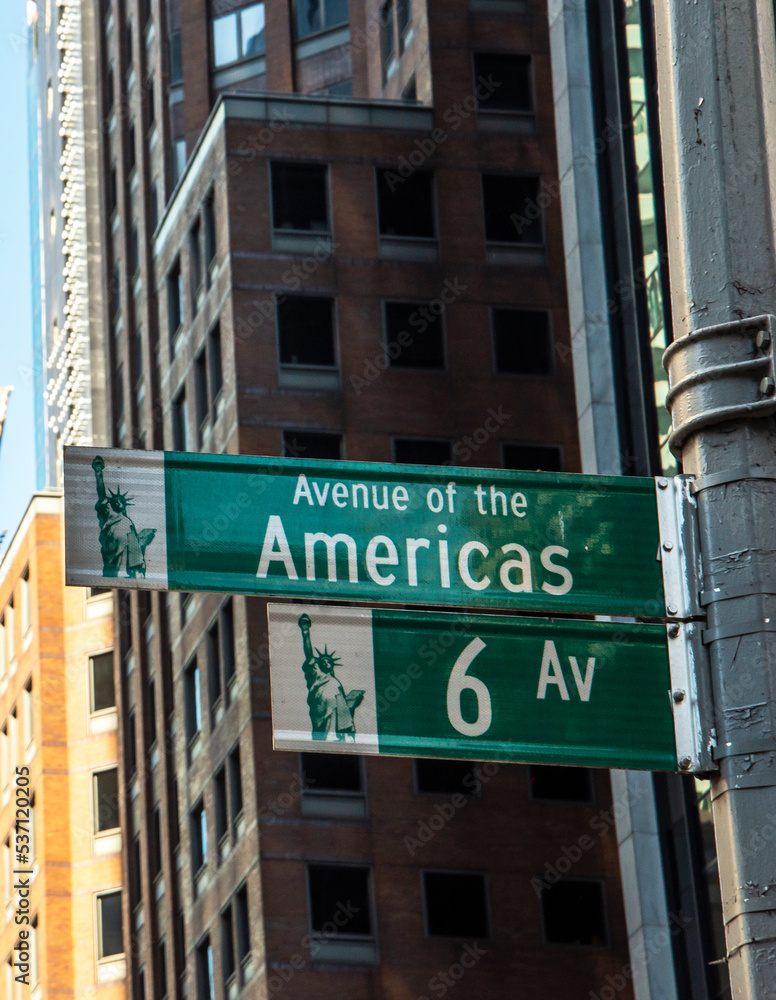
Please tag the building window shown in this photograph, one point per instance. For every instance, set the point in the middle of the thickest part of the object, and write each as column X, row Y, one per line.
column 161, row 961
column 34, row 963
column 10, row 636
column 101, row 683
column 179, row 159
column 193, row 700
column 201, row 398
column 512, row 210
column 156, row 843
column 532, row 457
column 195, row 262
column 215, row 364
column 330, row 887
column 414, row 335
column 405, row 205
column 206, row 985
column 28, row 720
column 234, row 774
column 180, row 423
column 175, row 58
column 306, row 331
column 403, row 21
column 332, row 786
column 238, row 35
column 131, row 744
column 299, row 197
column 387, row 39
column 106, row 800
column 198, row 837
column 522, row 342
column 174, row 299
column 227, row 644
column 209, row 218
column 26, row 608
column 151, row 712
column 213, row 660
column 560, row 784
column 221, row 808
column 109, row 935
column 511, row 75
column 235, row 938
column 573, row 912
column 456, row 904
column 417, row 451
column 311, row 444
column 318, row 15
column 445, row 777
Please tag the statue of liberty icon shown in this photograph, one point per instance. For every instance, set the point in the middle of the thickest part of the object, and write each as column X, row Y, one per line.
column 332, row 711
column 122, row 545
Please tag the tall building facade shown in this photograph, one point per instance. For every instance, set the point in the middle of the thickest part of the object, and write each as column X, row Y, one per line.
column 333, row 229
column 60, row 839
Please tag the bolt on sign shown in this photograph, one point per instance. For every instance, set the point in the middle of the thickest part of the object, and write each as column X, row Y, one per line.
column 481, row 687
column 472, row 538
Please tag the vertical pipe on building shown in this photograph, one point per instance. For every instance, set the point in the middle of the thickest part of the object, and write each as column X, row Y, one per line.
column 641, row 866
column 717, row 80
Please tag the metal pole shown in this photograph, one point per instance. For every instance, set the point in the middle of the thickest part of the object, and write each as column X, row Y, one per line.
column 717, row 82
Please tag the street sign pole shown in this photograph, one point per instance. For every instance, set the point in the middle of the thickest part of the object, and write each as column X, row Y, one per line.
column 717, row 83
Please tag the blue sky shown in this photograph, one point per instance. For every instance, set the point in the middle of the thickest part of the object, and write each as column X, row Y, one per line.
column 17, row 459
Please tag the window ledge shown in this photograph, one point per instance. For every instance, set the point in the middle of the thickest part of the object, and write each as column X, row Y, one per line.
column 322, row 41
column 200, row 881
column 104, row 722
column 301, row 241
column 407, row 248
column 27, row 639
column 329, row 949
column 299, row 377
column 159, row 887
column 108, row 842
column 175, row 94
column 100, row 606
column 506, row 7
column 236, row 72
column 507, row 253
column 111, row 969
column 517, row 122
column 333, row 806
column 194, row 747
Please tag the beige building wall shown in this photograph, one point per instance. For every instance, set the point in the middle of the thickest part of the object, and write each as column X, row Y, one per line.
column 57, row 722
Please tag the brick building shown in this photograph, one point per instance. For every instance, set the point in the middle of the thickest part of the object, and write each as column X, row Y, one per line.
column 333, row 230
column 58, row 725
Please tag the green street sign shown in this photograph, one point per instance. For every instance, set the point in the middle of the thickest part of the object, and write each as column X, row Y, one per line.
column 472, row 538
column 474, row 687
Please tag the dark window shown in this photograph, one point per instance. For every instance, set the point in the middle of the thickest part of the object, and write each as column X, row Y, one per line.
column 176, row 61
column 512, row 76
column 131, row 151
column 174, row 298
column 573, row 913
column 416, row 451
column 387, row 34
column 195, row 259
column 119, row 393
column 138, row 991
column 235, row 785
column 306, row 331
column 242, row 923
column 512, row 210
column 150, row 101
column 161, row 956
column 227, row 642
column 445, row 777
column 220, row 804
column 214, row 360
column 109, row 917
column 403, row 19
column 532, row 457
column 213, row 651
column 206, row 986
column 209, row 216
column 311, row 444
column 405, row 205
column 414, row 335
column 135, row 874
column 154, row 207
column 193, row 700
column 134, row 252
column 456, row 904
column 200, row 388
column 156, row 843
column 113, row 191
column 567, row 784
column 410, row 92
column 151, row 712
column 180, row 423
column 106, row 800
column 522, row 342
column 317, row 15
column 227, row 945
column 198, row 837
column 137, row 355
column 330, row 772
column 103, row 689
column 131, row 744
column 128, row 42
column 333, row 886
column 109, row 88
column 299, row 199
